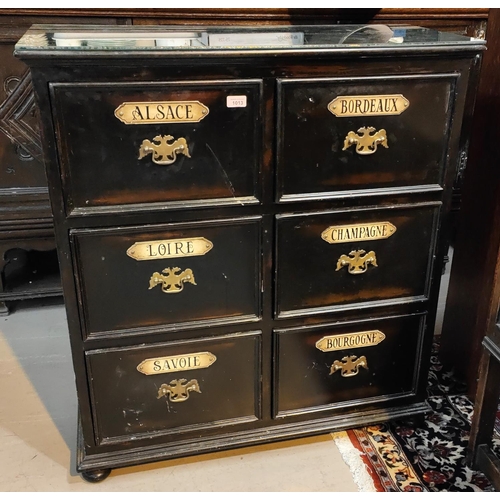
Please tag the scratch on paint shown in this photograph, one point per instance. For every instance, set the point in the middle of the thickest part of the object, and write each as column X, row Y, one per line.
column 224, row 174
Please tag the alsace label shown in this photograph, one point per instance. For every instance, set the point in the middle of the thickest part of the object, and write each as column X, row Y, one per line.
column 368, row 105
column 169, row 249
column 170, row 364
column 350, row 341
column 137, row 113
column 358, row 232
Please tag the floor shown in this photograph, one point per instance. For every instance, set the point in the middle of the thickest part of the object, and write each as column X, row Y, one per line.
column 38, row 427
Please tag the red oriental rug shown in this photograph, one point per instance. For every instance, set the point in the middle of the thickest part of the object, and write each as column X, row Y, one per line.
column 401, row 456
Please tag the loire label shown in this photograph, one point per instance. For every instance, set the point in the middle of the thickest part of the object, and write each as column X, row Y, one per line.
column 358, row 232
column 350, row 340
column 170, row 364
column 137, row 113
column 169, row 249
column 368, row 105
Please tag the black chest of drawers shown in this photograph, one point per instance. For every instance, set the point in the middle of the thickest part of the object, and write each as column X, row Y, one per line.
column 250, row 237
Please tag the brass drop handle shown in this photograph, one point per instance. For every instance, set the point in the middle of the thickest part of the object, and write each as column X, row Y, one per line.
column 178, row 390
column 366, row 141
column 349, row 365
column 358, row 261
column 172, row 281
column 163, row 151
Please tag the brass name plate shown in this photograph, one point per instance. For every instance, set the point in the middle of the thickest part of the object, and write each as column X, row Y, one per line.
column 137, row 113
column 358, row 232
column 368, row 105
column 170, row 364
column 350, row 340
column 169, row 249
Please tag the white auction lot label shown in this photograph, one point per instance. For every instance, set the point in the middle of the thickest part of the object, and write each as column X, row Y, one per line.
column 236, row 101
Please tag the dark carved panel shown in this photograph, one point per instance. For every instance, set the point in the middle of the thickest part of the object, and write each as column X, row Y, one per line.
column 18, row 120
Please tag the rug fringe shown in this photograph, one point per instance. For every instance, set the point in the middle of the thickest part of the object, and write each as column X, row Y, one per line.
column 352, row 458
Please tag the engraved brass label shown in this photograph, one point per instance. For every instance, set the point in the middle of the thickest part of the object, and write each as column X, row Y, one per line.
column 163, row 151
column 137, row 113
column 170, row 364
column 350, row 340
column 358, row 232
column 368, row 105
column 171, row 282
column 357, row 262
column 169, row 249
column 349, row 366
column 178, row 390
column 366, row 140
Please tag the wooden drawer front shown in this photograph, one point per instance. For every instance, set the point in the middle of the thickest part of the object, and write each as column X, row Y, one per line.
column 100, row 154
column 312, row 162
column 212, row 276
column 316, row 276
column 140, row 391
column 310, row 379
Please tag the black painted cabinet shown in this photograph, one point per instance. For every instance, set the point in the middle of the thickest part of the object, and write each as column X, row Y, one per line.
column 250, row 234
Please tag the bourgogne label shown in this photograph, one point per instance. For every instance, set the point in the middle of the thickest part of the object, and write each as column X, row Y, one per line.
column 350, row 341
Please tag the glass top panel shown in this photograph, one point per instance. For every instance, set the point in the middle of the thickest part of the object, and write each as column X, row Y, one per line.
column 88, row 38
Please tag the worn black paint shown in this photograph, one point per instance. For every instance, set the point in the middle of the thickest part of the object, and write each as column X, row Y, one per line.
column 115, row 287
column 224, row 146
column 148, row 208
column 304, row 381
column 311, row 156
column 307, row 278
column 126, row 401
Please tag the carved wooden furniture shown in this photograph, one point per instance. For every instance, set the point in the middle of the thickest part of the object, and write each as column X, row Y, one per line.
column 471, row 337
column 480, row 454
column 250, row 230
column 28, row 261
column 473, row 297
column 25, row 221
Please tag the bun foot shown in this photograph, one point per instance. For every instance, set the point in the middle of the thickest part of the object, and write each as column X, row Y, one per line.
column 96, row 476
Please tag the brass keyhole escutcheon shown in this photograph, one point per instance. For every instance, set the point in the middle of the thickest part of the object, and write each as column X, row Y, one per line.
column 357, row 261
column 172, row 281
column 178, row 390
column 349, row 365
column 164, row 149
column 366, row 140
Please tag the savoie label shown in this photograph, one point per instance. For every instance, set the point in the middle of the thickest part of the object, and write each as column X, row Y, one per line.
column 170, row 364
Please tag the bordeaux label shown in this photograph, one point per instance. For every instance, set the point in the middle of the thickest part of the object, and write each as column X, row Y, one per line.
column 137, row 113
column 350, row 341
column 170, row 364
column 358, row 232
column 169, row 249
column 368, row 105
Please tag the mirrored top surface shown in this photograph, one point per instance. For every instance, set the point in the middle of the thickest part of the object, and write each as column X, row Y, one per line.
column 117, row 38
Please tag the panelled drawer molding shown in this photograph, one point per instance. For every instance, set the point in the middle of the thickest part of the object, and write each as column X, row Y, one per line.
column 335, row 366
column 331, row 261
column 371, row 135
column 175, row 387
column 169, row 277
column 163, row 142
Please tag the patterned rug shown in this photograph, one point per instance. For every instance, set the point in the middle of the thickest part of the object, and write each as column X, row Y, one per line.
column 399, row 456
